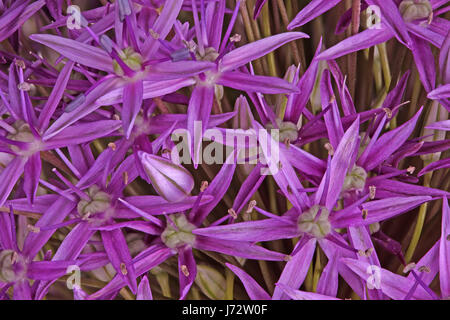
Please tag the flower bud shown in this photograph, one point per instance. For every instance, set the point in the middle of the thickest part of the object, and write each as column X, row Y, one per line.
column 172, row 182
column 211, row 282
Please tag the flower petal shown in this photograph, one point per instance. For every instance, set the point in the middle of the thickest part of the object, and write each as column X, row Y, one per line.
column 76, row 51
column 257, row 49
column 254, row 290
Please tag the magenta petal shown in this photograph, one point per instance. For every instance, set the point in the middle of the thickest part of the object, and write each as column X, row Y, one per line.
column 444, row 251
column 79, row 52
column 187, row 270
column 117, row 250
column 303, row 295
column 82, row 133
column 144, row 292
column 440, row 164
column 175, row 70
column 7, row 234
column 257, row 49
column 143, row 263
column 22, row 290
column 389, row 142
column 254, row 290
column 87, row 107
column 442, row 92
column 32, row 172
column 341, row 162
column 9, row 176
column 132, row 102
column 162, row 26
column 55, row 96
column 13, row 18
column 48, row 270
column 216, row 189
column 261, row 230
column 199, row 111
column 56, row 213
column 391, row 284
column 332, row 117
column 378, row 210
column 242, row 249
column 314, row 9
column 359, row 41
column 251, row 83
column 425, row 62
column 258, row 6
column 444, row 59
column 390, row 14
column 294, row 272
column 306, row 86
column 328, row 282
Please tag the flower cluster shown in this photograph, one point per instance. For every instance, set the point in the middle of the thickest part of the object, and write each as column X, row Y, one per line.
column 204, row 149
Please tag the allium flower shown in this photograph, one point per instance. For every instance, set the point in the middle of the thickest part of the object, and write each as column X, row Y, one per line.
column 17, row 267
column 166, row 149
column 177, row 236
column 24, row 134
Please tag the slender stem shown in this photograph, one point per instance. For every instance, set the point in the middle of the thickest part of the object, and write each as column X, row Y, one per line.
column 317, row 270
column 419, row 223
column 299, row 56
column 356, row 19
column 309, row 278
column 250, row 35
column 415, row 94
column 385, row 65
column 230, row 285
column 267, row 32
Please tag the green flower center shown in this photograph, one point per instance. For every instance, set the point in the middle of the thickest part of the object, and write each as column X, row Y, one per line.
column 210, row 54
column 99, row 202
column 317, row 227
column 12, row 266
column 355, row 180
column 131, row 58
column 180, row 234
column 23, row 134
column 415, row 9
column 287, row 130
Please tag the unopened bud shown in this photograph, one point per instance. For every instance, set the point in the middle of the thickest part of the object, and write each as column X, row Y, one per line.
column 172, row 182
